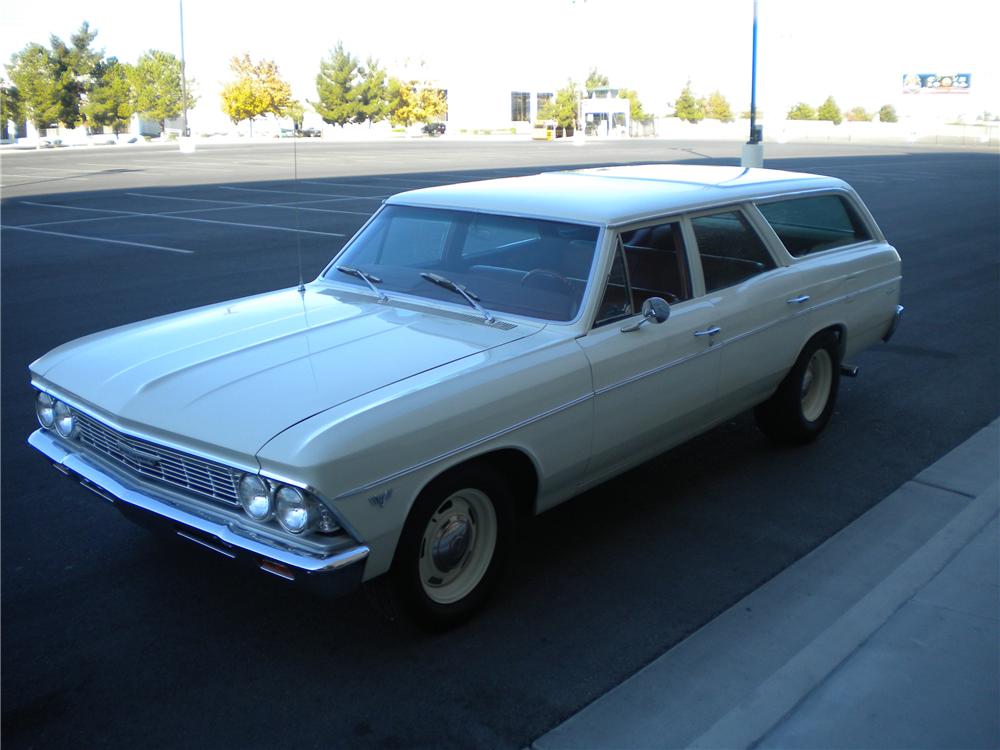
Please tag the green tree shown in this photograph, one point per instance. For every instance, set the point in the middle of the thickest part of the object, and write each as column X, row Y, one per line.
column 156, row 80
column 33, row 75
column 718, row 108
column 564, row 108
column 801, row 111
column 636, row 112
column 887, row 114
column 10, row 108
column 258, row 90
column 858, row 114
column 297, row 112
column 829, row 111
column 411, row 102
column 687, row 107
column 335, row 86
column 371, row 94
column 595, row 80
column 111, row 102
column 74, row 67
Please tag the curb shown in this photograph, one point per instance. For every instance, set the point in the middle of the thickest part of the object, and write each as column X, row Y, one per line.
column 740, row 675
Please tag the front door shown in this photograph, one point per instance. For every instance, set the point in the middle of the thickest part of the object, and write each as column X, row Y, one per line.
column 653, row 386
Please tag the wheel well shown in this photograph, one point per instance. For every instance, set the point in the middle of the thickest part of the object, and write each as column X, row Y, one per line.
column 519, row 470
column 840, row 332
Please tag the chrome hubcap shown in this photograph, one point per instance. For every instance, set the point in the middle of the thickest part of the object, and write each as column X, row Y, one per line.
column 451, row 544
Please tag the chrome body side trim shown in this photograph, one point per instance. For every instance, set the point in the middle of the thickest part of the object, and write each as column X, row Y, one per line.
column 586, row 397
column 344, row 565
column 461, row 449
column 654, row 371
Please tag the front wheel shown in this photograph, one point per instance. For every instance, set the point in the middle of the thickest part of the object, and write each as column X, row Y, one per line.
column 454, row 547
column 801, row 407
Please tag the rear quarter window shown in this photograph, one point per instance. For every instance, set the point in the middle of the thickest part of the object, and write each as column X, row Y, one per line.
column 813, row 224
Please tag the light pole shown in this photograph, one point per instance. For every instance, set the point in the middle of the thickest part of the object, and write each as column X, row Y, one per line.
column 753, row 150
column 186, row 132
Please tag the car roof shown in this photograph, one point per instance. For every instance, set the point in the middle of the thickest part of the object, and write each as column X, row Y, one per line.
column 614, row 195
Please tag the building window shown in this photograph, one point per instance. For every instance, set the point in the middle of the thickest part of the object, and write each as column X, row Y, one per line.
column 542, row 100
column 520, row 106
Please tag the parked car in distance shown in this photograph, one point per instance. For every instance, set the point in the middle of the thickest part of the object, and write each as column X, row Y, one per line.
column 434, row 128
column 474, row 353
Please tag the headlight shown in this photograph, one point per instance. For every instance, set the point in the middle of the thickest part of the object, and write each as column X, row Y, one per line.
column 255, row 497
column 45, row 409
column 65, row 420
column 295, row 511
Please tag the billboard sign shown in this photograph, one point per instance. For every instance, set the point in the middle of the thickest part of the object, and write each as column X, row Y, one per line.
column 933, row 83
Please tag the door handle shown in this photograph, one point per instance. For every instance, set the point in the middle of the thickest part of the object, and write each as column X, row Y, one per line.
column 802, row 298
column 708, row 331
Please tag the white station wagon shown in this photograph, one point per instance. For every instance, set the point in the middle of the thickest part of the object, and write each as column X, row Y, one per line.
column 476, row 352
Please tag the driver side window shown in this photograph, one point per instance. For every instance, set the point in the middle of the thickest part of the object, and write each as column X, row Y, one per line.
column 616, row 303
column 657, row 264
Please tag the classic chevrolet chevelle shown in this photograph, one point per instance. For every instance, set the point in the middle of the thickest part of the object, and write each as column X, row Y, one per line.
column 475, row 352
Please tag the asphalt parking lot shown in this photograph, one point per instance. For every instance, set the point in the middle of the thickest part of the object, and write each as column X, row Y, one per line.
column 111, row 638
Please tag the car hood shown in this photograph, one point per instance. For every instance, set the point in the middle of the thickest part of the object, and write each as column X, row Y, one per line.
column 233, row 375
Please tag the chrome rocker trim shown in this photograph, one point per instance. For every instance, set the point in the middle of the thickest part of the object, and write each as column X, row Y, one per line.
column 333, row 575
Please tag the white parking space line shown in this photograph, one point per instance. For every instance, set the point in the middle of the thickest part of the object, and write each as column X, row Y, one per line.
column 118, row 217
column 70, row 221
column 172, row 217
column 232, row 205
column 330, row 183
column 414, row 180
column 325, row 196
column 101, row 239
column 64, row 171
column 163, row 165
column 289, row 192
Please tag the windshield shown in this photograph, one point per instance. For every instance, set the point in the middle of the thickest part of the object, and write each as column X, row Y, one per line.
column 513, row 265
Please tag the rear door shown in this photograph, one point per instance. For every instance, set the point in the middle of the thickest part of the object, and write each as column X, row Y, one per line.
column 754, row 298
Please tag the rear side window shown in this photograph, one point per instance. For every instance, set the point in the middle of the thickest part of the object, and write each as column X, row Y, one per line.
column 730, row 250
column 811, row 225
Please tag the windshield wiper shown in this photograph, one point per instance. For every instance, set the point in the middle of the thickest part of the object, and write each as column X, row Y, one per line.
column 370, row 279
column 450, row 285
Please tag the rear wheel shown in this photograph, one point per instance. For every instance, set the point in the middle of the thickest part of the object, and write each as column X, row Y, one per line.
column 454, row 547
column 801, row 407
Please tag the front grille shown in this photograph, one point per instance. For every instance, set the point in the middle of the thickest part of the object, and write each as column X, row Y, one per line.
column 154, row 461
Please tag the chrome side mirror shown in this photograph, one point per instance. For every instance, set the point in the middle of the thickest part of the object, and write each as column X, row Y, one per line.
column 654, row 309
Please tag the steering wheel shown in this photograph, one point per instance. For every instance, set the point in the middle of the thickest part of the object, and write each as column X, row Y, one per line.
column 543, row 278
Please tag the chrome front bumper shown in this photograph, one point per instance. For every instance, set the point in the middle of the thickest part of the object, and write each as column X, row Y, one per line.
column 334, row 574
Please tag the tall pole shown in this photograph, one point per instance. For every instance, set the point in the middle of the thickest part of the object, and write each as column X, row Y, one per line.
column 753, row 82
column 184, row 97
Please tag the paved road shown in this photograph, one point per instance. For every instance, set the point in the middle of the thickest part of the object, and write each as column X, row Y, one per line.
column 111, row 638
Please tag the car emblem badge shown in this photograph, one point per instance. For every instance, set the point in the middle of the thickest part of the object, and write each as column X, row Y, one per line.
column 142, row 458
column 381, row 498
